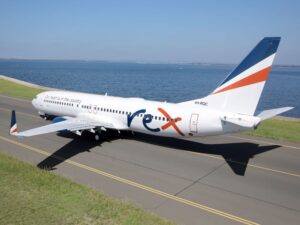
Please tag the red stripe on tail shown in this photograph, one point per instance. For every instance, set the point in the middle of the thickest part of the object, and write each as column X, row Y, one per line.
column 252, row 79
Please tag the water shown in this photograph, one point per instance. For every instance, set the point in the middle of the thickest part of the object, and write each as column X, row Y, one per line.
column 163, row 82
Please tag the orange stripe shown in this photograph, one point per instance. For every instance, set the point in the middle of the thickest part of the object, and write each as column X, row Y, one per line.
column 14, row 130
column 252, row 79
column 171, row 122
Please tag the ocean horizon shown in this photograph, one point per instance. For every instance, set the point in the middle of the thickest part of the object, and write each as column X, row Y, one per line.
column 171, row 82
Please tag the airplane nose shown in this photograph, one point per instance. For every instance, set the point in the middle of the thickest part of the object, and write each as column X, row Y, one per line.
column 34, row 102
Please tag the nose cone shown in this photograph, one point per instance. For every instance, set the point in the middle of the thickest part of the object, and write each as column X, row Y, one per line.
column 34, row 102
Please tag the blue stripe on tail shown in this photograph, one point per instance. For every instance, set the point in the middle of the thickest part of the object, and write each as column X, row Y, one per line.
column 266, row 47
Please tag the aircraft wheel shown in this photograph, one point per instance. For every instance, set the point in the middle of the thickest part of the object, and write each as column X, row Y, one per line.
column 97, row 137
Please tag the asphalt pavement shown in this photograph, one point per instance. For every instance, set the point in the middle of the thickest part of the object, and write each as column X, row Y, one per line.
column 230, row 179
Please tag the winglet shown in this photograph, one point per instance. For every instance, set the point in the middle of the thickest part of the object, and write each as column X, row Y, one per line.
column 13, row 124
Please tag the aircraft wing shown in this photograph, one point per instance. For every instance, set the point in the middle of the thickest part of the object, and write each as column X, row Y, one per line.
column 70, row 124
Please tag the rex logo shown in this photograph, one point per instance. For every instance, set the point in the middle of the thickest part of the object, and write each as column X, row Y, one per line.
column 147, row 119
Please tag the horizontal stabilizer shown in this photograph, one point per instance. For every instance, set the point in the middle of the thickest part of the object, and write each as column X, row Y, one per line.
column 241, row 120
column 266, row 114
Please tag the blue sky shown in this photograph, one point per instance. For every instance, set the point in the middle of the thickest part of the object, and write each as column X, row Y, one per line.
column 147, row 31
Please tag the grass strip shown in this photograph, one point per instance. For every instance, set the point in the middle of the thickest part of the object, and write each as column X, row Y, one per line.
column 10, row 88
column 33, row 196
column 280, row 129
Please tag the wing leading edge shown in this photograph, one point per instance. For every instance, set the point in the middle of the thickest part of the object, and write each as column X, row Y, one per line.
column 70, row 124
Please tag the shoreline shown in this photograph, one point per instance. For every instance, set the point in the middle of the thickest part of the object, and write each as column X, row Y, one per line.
column 25, row 83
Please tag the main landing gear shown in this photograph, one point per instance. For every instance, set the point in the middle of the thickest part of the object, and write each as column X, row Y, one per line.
column 47, row 117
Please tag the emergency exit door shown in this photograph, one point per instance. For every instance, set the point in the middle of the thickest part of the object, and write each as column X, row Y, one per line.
column 194, row 122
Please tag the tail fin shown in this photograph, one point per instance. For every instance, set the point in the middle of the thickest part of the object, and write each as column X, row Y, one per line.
column 242, row 88
column 13, row 124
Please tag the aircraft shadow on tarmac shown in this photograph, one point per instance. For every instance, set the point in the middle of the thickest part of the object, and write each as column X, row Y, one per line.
column 237, row 155
column 75, row 146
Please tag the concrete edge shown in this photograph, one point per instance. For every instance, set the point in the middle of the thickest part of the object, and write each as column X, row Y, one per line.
column 25, row 83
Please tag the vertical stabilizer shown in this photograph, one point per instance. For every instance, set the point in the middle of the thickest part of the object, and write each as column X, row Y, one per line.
column 241, row 89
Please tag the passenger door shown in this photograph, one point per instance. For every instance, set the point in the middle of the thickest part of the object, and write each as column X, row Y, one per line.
column 194, row 123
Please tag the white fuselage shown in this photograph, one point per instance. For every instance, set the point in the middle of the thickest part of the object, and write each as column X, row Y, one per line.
column 136, row 114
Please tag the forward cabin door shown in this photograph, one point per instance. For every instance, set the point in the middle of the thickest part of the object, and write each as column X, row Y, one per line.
column 193, row 123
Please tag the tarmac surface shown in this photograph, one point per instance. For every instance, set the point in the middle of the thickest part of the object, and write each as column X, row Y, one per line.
column 230, row 179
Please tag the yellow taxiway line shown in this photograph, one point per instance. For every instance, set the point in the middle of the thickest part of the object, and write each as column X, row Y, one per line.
column 135, row 184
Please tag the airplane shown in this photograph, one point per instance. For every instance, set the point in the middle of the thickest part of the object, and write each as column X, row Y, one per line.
column 230, row 108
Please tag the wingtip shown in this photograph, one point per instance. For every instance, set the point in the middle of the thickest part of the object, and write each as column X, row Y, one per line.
column 13, row 124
